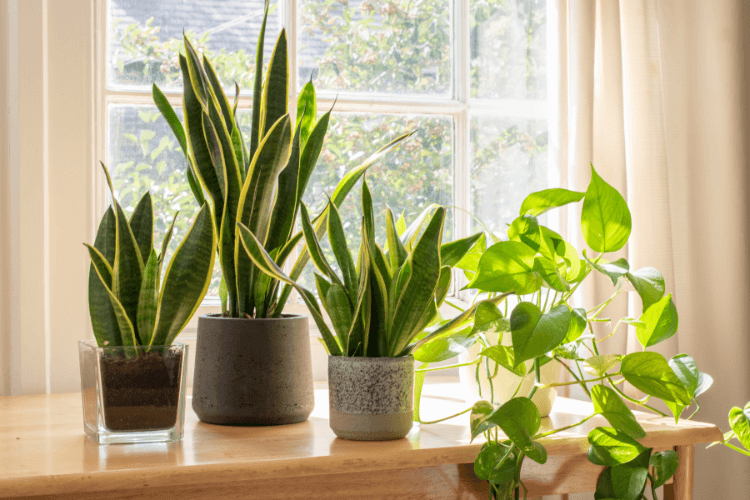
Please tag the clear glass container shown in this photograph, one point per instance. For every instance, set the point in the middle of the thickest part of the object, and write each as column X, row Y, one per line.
column 133, row 394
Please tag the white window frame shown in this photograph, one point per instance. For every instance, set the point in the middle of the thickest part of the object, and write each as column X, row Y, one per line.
column 458, row 106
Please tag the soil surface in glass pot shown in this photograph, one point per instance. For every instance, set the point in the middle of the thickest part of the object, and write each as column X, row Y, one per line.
column 141, row 392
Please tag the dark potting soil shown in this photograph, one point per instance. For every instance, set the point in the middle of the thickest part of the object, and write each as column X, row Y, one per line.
column 141, row 392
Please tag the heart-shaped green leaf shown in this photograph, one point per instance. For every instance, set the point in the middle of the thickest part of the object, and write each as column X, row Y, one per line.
column 550, row 273
column 665, row 464
column 608, row 404
column 611, row 447
column 613, row 270
column 535, row 333
column 695, row 381
column 660, row 322
column 478, row 420
column 503, row 356
column 577, row 325
column 629, row 479
column 739, row 420
column 507, row 266
column 519, row 419
column 492, row 456
column 541, row 201
column 650, row 373
column 605, row 217
column 489, row 319
column 525, row 229
column 649, row 283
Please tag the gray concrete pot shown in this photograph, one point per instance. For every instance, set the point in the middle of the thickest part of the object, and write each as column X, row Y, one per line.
column 371, row 399
column 253, row 371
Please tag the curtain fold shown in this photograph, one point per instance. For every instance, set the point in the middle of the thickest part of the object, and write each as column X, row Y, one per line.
column 656, row 101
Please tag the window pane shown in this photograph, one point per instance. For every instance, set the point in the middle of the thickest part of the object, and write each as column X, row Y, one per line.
column 143, row 156
column 509, row 160
column 376, row 46
column 144, row 38
column 411, row 177
column 508, row 49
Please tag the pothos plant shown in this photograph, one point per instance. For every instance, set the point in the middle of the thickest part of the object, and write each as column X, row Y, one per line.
column 537, row 273
column 384, row 301
column 259, row 184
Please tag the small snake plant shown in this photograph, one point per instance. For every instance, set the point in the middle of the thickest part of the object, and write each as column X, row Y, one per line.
column 261, row 184
column 387, row 304
column 128, row 302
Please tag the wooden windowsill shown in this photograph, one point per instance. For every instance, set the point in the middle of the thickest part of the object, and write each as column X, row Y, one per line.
column 45, row 452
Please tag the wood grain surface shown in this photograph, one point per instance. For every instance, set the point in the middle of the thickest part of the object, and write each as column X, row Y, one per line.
column 44, row 452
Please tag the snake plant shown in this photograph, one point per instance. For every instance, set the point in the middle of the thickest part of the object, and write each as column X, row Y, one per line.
column 382, row 305
column 261, row 184
column 128, row 303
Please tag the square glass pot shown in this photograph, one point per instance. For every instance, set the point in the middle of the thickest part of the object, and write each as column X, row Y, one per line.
column 133, row 394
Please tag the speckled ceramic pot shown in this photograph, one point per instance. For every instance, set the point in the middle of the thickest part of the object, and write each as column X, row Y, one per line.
column 253, row 371
column 371, row 399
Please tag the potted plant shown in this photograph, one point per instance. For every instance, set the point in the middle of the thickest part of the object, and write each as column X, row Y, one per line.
column 133, row 375
column 542, row 271
column 253, row 363
column 381, row 307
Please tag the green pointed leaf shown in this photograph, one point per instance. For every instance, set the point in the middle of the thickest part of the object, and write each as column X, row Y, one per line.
column 125, row 327
column 525, row 229
column 223, row 297
column 650, row 373
column 202, row 165
column 610, row 447
column 186, row 279
column 342, row 190
column 608, row 404
column 307, row 108
column 396, row 251
column 613, row 270
column 167, row 239
column 470, row 262
column 418, row 292
column 310, row 153
column 359, row 333
column 605, row 490
column 739, row 421
column 695, row 381
column 256, row 132
column 142, row 225
column 218, row 92
column 315, row 249
column 170, row 116
column 660, row 322
column 337, row 238
column 197, row 78
column 649, row 283
column 275, row 100
column 535, row 333
column 577, row 325
column 148, row 300
column 339, row 309
column 605, row 218
column 507, row 266
column 445, row 348
column 266, row 264
column 540, row 202
column 103, row 319
column 452, row 253
column 503, row 356
column 286, row 205
column 665, row 464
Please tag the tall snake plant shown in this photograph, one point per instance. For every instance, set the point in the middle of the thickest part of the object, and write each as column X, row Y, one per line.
column 128, row 302
column 260, row 185
column 387, row 304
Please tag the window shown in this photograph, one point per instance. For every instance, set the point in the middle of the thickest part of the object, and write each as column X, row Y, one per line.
column 470, row 74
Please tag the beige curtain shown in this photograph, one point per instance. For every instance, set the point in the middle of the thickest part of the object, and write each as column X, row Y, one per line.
column 652, row 93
